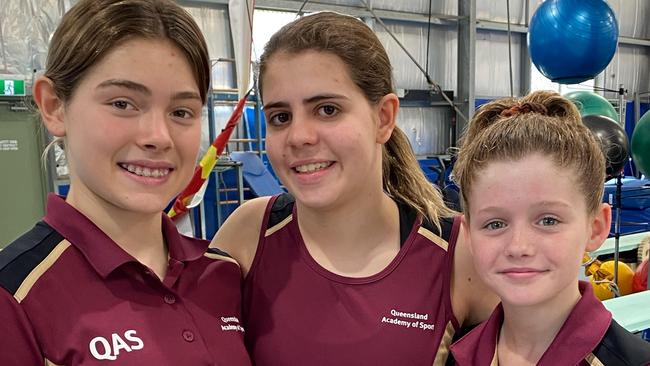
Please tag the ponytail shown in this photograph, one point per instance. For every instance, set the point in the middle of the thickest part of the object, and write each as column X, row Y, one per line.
column 404, row 180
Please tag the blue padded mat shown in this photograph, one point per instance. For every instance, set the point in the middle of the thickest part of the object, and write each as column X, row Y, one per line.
column 258, row 178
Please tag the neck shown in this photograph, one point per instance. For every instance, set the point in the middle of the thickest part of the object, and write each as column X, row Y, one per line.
column 528, row 331
column 357, row 240
column 139, row 234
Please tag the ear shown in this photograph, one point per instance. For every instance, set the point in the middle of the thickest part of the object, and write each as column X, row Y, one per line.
column 50, row 106
column 600, row 225
column 464, row 232
column 387, row 108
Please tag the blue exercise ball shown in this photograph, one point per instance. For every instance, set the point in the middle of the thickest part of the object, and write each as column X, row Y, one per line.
column 571, row 41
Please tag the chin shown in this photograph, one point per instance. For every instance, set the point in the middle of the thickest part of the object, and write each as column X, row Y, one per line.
column 314, row 200
column 145, row 204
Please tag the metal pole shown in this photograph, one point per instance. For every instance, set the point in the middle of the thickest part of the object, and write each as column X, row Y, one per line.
column 617, row 226
column 619, row 184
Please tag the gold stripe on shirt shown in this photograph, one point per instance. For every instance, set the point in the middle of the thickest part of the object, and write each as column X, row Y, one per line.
column 495, row 359
column 220, row 257
column 40, row 269
column 278, row 226
column 442, row 243
column 593, row 360
column 443, row 348
column 50, row 363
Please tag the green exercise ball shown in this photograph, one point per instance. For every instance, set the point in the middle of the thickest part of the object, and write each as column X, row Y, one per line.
column 641, row 144
column 590, row 103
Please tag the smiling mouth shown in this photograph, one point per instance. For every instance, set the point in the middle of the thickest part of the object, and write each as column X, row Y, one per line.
column 145, row 172
column 313, row 167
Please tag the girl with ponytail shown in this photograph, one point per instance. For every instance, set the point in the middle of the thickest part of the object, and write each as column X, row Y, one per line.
column 361, row 262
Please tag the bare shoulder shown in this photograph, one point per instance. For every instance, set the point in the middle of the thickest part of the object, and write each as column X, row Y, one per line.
column 472, row 300
column 239, row 234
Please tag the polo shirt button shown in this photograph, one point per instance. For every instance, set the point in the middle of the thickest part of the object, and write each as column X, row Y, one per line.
column 170, row 299
column 188, row 336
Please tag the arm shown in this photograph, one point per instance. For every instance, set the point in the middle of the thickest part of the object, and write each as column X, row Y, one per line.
column 239, row 235
column 471, row 299
column 18, row 345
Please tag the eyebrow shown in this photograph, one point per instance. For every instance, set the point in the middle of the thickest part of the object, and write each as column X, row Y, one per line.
column 137, row 87
column 496, row 209
column 310, row 100
column 120, row 83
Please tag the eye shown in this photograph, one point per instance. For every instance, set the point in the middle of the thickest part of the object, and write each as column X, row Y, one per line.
column 549, row 221
column 328, row 110
column 122, row 104
column 279, row 118
column 495, row 225
column 182, row 113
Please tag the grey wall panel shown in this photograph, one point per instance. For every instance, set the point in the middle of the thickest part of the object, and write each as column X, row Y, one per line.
column 442, row 54
column 495, row 10
column 492, row 70
column 427, row 129
column 632, row 16
column 446, row 7
column 215, row 25
column 25, row 30
column 630, row 67
column 26, row 27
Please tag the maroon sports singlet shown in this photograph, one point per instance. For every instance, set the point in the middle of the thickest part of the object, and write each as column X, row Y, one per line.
column 298, row 313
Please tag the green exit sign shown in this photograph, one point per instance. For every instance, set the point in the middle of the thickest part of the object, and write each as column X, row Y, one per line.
column 12, row 87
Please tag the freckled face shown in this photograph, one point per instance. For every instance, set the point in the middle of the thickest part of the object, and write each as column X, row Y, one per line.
column 529, row 228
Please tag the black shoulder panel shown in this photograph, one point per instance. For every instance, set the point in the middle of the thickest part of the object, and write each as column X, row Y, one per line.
column 25, row 253
column 620, row 347
column 446, row 223
column 282, row 208
column 407, row 217
column 218, row 251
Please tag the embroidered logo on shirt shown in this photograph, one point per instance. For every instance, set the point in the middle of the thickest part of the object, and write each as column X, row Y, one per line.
column 231, row 323
column 103, row 349
column 408, row 320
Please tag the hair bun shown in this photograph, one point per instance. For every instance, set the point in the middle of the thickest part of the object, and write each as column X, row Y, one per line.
column 523, row 108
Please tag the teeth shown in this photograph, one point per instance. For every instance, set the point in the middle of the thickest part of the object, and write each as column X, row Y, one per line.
column 308, row 168
column 145, row 172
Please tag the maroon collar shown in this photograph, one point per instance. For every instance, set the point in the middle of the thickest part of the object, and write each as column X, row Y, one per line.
column 582, row 330
column 580, row 334
column 99, row 249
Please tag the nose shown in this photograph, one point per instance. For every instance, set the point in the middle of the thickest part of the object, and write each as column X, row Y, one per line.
column 302, row 131
column 521, row 242
column 154, row 134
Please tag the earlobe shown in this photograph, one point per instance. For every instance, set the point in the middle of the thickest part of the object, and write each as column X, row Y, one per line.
column 50, row 106
column 600, row 225
column 387, row 108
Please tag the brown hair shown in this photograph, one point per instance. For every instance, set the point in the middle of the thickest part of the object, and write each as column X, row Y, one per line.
column 92, row 28
column 369, row 68
column 542, row 122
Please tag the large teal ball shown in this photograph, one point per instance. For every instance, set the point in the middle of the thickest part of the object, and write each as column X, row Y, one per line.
column 589, row 103
column 641, row 144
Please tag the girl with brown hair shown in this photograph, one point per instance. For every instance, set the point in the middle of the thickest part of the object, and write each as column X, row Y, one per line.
column 361, row 263
column 532, row 177
column 105, row 276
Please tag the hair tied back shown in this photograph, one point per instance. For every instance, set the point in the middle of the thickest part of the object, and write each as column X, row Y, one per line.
column 523, row 108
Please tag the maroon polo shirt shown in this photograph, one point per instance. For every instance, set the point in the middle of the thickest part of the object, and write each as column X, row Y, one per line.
column 589, row 336
column 71, row 296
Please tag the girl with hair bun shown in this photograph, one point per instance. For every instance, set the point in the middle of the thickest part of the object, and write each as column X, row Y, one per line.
column 531, row 179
